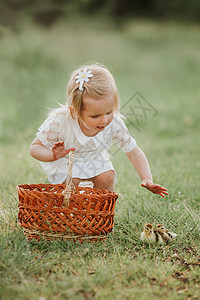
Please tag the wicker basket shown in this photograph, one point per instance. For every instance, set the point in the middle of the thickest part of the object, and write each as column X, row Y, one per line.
column 58, row 211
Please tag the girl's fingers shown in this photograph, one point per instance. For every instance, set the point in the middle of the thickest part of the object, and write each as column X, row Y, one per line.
column 162, row 195
column 156, row 189
column 163, row 189
column 56, row 145
column 160, row 187
column 164, row 192
column 59, row 143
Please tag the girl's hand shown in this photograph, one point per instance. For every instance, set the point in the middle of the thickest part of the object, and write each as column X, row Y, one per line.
column 59, row 150
column 154, row 188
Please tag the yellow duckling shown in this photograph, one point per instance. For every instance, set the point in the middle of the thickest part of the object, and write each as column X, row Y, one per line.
column 148, row 234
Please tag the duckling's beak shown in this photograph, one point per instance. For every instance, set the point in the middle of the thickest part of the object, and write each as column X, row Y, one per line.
column 151, row 231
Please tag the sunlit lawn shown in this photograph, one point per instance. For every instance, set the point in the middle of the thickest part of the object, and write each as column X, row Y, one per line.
column 159, row 62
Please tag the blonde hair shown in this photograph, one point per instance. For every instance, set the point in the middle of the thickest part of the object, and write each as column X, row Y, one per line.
column 101, row 84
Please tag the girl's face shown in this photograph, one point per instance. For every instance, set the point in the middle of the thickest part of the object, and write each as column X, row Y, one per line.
column 96, row 114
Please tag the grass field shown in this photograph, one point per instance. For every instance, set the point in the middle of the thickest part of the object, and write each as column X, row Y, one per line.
column 161, row 63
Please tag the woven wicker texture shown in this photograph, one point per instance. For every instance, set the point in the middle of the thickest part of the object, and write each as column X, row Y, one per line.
column 90, row 211
column 63, row 211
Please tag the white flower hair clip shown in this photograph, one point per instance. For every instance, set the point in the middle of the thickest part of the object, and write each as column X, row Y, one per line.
column 82, row 77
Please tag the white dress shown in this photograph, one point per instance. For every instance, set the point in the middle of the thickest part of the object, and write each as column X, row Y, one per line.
column 90, row 156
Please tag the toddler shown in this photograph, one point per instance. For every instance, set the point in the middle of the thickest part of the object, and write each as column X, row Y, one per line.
column 88, row 124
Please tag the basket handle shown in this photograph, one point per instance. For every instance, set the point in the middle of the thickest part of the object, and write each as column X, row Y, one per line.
column 69, row 185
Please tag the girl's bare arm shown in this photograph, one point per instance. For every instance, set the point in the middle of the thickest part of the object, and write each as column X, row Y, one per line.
column 141, row 165
column 42, row 153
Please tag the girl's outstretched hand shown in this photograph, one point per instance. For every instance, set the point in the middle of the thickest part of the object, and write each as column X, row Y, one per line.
column 59, row 150
column 154, row 188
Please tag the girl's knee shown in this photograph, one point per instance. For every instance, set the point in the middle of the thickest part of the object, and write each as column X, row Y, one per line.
column 105, row 180
column 76, row 181
column 108, row 177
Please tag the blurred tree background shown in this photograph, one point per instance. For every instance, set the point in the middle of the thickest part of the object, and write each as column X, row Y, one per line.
column 47, row 12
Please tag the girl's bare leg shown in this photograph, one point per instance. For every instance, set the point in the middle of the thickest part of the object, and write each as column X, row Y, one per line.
column 104, row 180
column 76, row 181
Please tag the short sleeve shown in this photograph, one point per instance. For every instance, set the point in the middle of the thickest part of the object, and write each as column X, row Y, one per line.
column 122, row 136
column 49, row 132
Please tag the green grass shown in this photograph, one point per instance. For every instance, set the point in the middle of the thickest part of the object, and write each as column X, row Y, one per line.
column 161, row 61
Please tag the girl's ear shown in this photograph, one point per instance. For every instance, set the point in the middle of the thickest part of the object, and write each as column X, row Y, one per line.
column 73, row 114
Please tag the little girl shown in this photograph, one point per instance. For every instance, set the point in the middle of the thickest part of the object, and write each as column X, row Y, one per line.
column 87, row 124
